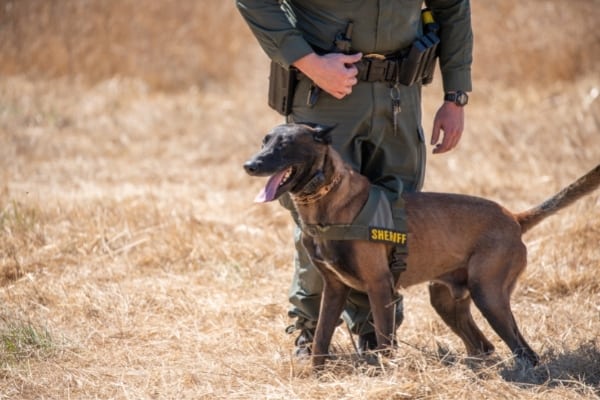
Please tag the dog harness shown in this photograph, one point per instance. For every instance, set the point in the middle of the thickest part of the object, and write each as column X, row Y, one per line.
column 378, row 221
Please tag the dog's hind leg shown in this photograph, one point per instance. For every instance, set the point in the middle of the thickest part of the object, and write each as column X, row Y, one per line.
column 490, row 288
column 500, row 317
column 456, row 313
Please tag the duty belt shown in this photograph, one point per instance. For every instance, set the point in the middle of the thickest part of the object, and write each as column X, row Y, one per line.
column 411, row 65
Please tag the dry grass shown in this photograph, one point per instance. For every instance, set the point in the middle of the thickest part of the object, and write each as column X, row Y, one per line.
column 134, row 265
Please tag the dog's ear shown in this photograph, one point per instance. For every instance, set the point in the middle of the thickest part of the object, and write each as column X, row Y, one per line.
column 321, row 133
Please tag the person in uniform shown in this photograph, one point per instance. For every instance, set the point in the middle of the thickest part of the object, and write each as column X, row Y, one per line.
column 376, row 119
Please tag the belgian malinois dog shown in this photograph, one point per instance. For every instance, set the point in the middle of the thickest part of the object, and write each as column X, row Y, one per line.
column 468, row 248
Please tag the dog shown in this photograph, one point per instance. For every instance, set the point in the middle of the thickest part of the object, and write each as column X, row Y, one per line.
column 470, row 249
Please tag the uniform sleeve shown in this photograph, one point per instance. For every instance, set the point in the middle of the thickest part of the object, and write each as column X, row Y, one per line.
column 456, row 42
column 274, row 31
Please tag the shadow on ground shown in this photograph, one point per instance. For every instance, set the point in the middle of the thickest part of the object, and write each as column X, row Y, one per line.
column 577, row 368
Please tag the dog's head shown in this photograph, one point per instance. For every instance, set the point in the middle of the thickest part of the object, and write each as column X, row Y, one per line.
column 291, row 155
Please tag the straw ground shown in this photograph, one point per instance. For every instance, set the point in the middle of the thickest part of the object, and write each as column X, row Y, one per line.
column 134, row 265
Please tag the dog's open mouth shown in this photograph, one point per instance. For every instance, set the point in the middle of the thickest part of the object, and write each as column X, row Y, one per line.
column 272, row 190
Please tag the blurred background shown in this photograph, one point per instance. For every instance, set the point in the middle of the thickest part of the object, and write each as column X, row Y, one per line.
column 175, row 44
column 133, row 263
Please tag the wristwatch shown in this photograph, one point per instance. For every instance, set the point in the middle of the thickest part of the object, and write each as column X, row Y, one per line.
column 459, row 98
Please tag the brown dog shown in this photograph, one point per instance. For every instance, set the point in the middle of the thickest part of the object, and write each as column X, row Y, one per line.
column 469, row 248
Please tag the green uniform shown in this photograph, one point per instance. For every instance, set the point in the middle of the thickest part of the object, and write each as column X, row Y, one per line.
column 391, row 155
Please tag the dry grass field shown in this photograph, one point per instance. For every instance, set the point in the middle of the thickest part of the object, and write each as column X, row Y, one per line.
column 134, row 264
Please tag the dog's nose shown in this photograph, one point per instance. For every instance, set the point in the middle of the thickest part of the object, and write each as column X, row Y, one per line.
column 251, row 166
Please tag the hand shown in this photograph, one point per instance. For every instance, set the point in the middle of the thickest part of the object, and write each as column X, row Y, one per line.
column 450, row 119
column 334, row 73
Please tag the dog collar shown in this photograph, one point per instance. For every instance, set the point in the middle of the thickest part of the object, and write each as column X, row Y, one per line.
column 320, row 193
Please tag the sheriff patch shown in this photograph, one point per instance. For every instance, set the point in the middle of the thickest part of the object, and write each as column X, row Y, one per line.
column 388, row 236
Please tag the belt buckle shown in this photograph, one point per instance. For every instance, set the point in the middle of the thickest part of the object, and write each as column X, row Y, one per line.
column 374, row 56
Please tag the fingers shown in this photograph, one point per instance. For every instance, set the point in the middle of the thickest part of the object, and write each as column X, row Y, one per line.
column 337, row 74
column 351, row 58
column 450, row 120
column 351, row 71
column 340, row 94
column 450, row 141
column 347, row 82
column 435, row 134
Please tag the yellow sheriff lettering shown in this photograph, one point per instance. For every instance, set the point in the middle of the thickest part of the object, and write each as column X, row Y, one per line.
column 387, row 235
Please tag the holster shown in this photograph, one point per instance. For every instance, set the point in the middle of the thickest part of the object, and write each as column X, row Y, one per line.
column 282, row 84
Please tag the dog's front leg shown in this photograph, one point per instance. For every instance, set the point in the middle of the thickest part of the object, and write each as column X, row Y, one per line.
column 372, row 263
column 381, row 300
column 332, row 304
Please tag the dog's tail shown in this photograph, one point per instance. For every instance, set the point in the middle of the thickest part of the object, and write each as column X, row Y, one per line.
column 582, row 186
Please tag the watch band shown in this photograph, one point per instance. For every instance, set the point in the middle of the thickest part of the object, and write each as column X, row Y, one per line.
column 459, row 98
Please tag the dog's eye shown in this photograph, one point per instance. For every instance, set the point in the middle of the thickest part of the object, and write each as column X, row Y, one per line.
column 266, row 139
column 283, row 143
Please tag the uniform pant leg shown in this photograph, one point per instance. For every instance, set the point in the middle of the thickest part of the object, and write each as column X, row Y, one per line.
column 365, row 137
column 307, row 285
column 393, row 158
column 306, row 288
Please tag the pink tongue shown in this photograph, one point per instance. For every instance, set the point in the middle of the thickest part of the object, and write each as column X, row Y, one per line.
column 268, row 193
